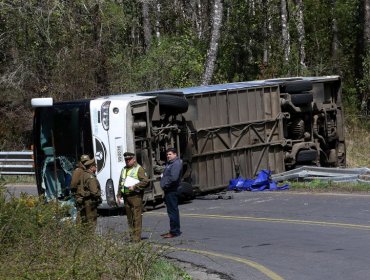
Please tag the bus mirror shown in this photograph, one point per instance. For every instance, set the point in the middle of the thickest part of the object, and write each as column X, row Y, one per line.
column 42, row 102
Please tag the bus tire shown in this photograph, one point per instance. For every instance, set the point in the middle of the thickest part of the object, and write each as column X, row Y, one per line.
column 302, row 99
column 172, row 103
column 298, row 86
column 306, row 156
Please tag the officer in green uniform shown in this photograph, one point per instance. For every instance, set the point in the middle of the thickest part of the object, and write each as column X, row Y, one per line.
column 132, row 182
column 88, row 194
column 76, row 175
column 78, row 172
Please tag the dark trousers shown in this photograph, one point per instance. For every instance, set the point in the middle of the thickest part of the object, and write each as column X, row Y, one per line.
column 134, row 209
column 88, row 213
column 170, row 198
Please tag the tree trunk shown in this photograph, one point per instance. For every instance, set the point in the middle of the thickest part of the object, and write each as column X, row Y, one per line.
column 198, row 19
column 266, row 31
column 366, row 63
column 335, row 40
column 188, row 9
column 157, row 20
column 284, row 30
column 146, row 25
column 301, row 33
column 101, row 73
column 213, row 46
column 251, row 40
column 367, row 26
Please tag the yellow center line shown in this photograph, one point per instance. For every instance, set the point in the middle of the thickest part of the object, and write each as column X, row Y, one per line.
column 269, row 273
column 274, row 220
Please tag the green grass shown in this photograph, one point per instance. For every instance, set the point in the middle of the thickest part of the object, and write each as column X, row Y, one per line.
column 164, row 270
column 18, row 179
column 357, row 142
column 329, row 186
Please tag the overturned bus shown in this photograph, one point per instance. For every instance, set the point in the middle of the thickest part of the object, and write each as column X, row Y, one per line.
column 220, row 131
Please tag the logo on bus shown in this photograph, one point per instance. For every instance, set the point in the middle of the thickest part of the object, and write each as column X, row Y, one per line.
column 100, row 154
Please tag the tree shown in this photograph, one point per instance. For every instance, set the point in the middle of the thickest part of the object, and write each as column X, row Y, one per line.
column 366, row 60
column 367, row 24
column 146, row 25
column 213, row 45
column 335, row 40
column 301, row 32
column 101, row 73
column 285, row 30
column 266, row 31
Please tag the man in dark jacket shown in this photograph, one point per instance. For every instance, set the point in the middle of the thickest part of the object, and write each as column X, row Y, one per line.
column 170, row 181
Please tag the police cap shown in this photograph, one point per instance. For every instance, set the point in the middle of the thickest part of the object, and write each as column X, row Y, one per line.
column 128, row 155
column 84, row 158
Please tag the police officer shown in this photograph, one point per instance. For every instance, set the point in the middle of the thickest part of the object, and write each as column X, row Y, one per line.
column 88, row 194
column 78, row 172
column 132, row 182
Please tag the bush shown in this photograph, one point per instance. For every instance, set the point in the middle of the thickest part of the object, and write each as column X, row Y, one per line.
column 37, row 243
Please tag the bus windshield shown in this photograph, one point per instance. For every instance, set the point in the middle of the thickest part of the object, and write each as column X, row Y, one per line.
column 66, row 128
column 62, row 133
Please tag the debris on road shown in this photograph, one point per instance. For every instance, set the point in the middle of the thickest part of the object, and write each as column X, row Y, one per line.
column 263, row 182
column 222, row 195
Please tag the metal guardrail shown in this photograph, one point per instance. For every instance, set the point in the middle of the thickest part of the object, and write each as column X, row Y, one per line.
column 16, row 163
column 308, row 173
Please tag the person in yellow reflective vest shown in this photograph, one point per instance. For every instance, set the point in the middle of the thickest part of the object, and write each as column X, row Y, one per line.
column 132, row 182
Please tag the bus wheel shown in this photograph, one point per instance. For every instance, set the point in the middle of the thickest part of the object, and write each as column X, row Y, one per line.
column 296, row 86
column 306, row 156
column 302, row 99
column 175, row 103
column 172, row 104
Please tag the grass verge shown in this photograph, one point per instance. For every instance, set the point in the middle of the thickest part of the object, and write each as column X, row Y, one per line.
column 18, row 179
column 357, row 141
column 329, row 186
column 37, row 243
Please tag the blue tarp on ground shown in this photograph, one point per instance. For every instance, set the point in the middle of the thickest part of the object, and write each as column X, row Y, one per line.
column 263, row 182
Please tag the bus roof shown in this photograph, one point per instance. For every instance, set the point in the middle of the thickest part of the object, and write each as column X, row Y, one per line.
column 236, row 85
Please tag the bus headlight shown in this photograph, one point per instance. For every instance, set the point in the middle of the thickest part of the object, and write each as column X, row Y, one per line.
column 105, row 114
column 109, row 193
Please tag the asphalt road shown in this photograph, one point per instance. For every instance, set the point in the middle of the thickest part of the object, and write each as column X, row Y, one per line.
column 268, row 235
column 279, row 235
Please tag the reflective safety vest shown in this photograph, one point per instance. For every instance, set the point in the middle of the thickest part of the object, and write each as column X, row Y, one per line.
column 133, row 173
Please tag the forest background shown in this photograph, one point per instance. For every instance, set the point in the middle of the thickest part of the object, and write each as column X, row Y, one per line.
column 72, row 49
